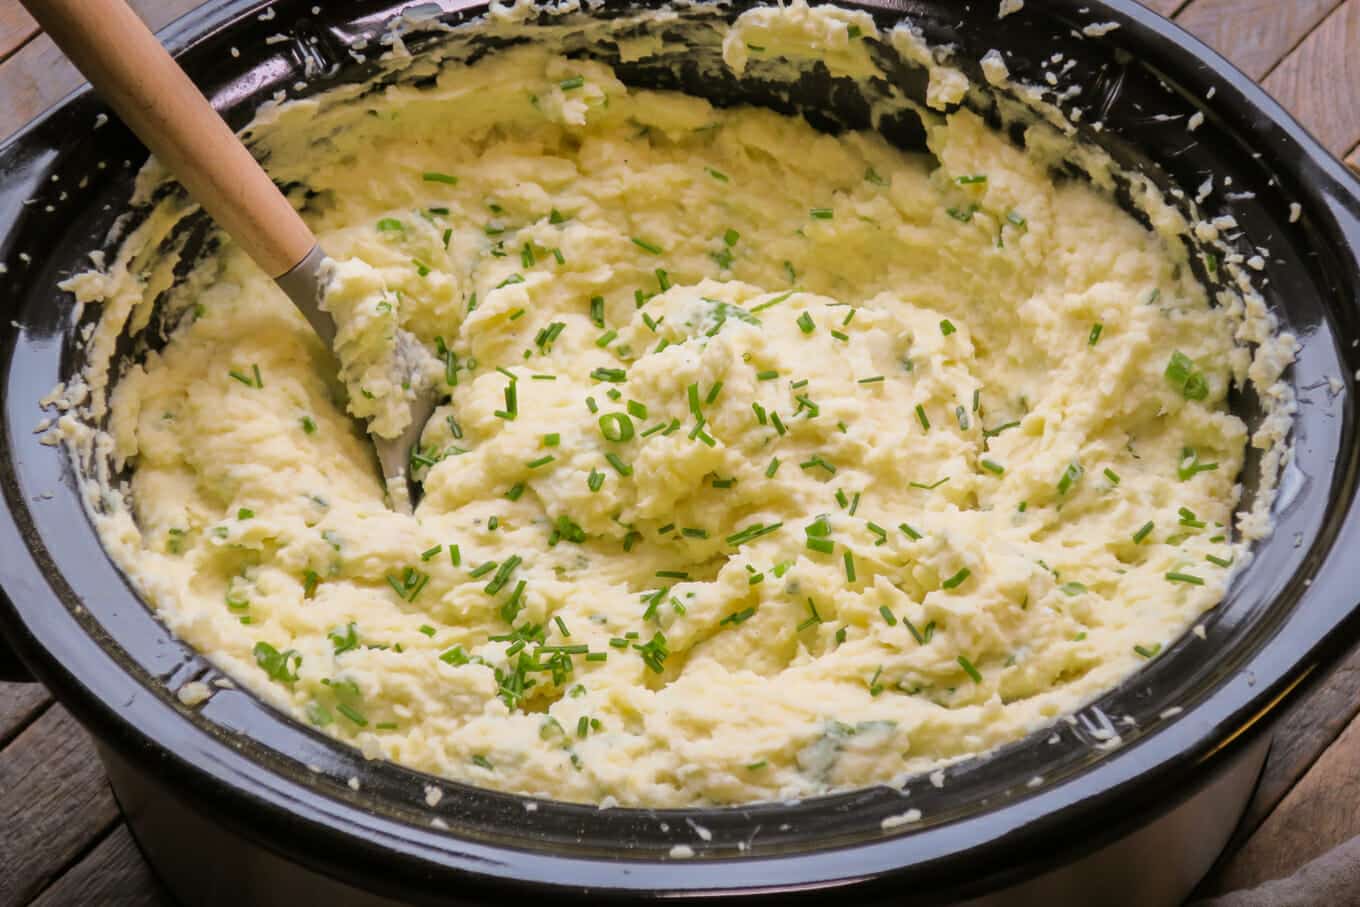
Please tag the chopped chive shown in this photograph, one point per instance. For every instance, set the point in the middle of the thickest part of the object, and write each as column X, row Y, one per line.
column 993, row 432
column 646, row 246
column 1176, row 577
column 614, row 375
column 922, row 418
column 957, row 579
column 620, row 467
column 823, row 546
column 969, row 669
column 849, row 559
column 431, row 176
column 813, row 619
column 751, row 533
column 947, row 327
column 1148, row 651
column 993, row 467
column 874, row 380
column 483, row 570
column 541, row 461
column 430, row 552
column 308, row 425
column 571, row 84
column 595, row 481
column 777, row 422
column 713, row 393
column 616, row 427
column 717, row 175
column 1142, row 533
column 1095, row 334
column 961, row 415
column 772, row 468
column 738, row 617
column 1070, row 475
column 1112, row 476
column 1183, row 375
column 1218, row 561
column 390, row 224
column 767, row 375
column 909, row 532
column 352, row 714
column 806, row 324
column 516, row 490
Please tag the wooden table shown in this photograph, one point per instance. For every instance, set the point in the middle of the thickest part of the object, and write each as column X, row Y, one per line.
column 62, row 840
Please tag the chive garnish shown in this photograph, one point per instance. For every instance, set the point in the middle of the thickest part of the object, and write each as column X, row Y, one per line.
column 922, row 418
column 620, row 467
column 390, row 224
column 874, row 380
column 947, row 327
column 767, row 375
column 483, row 570
column 738, row 617
column 541, row 461
column 352, row 714
column 308, row 425
column 431, row 176
column 1183, row 375
column 1148, row 651
column 716, row 174
column 595, row 481
column 909, row 532
column 806, row 324
column 516, row 490
column 813, row 619
column 932, row 486
column 822, row 213
column 993, row 467
column 616, row 427
column 849, row 559
column 1218, row 561
column 1176, row 577
column 772, row 468
column 614, row 375
column 430, row 552
column 751, row 533
column 1112, row 476
column 969, row 669
column 571, row 84
column 455, row 556
column 1142, row 533
column 1070, row 475
column 957, row 579
column 1095, row 334
column 646, row 246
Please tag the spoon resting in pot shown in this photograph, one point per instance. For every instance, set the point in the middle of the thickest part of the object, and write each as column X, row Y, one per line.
column 130, row 69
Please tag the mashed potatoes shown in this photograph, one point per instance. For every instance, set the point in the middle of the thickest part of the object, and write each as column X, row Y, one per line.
column 772, row 461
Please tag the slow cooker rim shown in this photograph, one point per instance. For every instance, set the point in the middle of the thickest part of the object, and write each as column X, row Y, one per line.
column 96, row 703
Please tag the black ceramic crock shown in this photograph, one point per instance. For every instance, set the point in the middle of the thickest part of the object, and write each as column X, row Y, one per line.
column 233, row 803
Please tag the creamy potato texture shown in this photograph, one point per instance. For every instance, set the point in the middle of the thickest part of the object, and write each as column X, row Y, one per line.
column 772, row 462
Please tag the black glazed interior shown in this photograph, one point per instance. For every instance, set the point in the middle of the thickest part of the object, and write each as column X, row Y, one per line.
column 82, row 629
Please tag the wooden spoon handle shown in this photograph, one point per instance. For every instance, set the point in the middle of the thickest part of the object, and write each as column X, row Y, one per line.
column 137, row 77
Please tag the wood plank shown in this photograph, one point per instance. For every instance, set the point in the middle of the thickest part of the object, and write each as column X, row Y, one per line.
column 20, row 703
column 1254, row 34
column 38, row 75
column 1165, row 7
column 1316, row 815
column 1320, row 81
column 54, row 803
column 113, row 873
column 17, row 27
column 1302, row 733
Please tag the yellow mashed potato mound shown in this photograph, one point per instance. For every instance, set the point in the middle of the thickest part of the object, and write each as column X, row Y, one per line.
column 773, row 462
